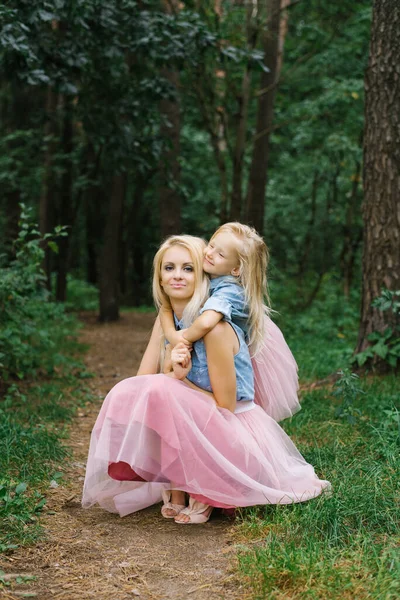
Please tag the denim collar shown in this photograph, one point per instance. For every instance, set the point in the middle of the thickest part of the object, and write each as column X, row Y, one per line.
column 222, row 278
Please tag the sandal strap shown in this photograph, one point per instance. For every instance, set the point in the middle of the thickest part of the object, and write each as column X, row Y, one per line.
column 177, row 507
column 196, row 508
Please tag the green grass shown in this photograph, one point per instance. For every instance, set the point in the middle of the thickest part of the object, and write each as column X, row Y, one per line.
column 33, row 430
column 345, row 545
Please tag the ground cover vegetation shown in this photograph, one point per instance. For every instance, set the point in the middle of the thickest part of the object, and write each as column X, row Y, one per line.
column 41, row 383
column 344, row 546
column 123, row 122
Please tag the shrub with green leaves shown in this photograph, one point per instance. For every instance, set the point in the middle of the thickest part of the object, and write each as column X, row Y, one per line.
column 32, row 327
column 384, row 344
column 81, row 295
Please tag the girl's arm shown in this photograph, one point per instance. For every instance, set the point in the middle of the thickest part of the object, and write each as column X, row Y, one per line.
column 150, row 363
column 202, row 325
column 168, row 326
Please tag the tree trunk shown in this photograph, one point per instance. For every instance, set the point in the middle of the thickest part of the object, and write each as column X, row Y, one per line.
column 15, row 117
column 94, row 196
column 65, row 215
column 255, row 201
column 138, row 279
column 381, row 209
column 49, row 191
column 109, row 267
column 304, row 256
column 352, row 234
column 236, row 209
column 169, row 195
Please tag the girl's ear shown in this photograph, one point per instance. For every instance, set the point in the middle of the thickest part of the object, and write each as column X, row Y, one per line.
column 236, row 271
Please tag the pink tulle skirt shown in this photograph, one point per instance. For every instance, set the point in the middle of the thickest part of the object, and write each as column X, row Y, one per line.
column 155, row 433
column 275, row 375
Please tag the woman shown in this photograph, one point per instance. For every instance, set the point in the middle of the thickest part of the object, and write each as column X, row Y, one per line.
column 156, row 433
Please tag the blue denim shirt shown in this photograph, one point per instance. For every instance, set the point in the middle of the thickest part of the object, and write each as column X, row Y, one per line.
column 227, row 297
column 244, row 371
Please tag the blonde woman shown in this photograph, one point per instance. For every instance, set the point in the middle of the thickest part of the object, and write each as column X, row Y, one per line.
column 236, row 260
column 161, row 434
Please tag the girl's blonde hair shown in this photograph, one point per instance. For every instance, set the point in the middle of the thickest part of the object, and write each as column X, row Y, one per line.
column 195, row 246
column 253, row 256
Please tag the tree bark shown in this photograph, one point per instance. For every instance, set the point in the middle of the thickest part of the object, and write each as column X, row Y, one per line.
column 255, row 201
column 169, row 195
column 15, row 117
column 109, row 268
column 66, row 210
column 236, row 209
column 381, row 173
column 304, row 256
column 352, row 234
column 94, row 195
column 49, row 191
column 138, row 278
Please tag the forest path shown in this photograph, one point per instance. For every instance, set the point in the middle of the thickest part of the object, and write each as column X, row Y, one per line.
column 95, row 554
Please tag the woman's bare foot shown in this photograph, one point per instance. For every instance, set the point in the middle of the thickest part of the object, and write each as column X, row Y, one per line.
column 177, row 499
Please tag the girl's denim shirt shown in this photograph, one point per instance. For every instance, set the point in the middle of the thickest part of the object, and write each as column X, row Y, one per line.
column 227, row 297
column 244, row 371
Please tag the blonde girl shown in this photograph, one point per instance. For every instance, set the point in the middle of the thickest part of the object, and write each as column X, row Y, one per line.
column 236, row 260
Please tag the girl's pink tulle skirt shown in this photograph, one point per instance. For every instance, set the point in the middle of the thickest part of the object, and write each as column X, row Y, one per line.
column 275, row 375
column 155, row 433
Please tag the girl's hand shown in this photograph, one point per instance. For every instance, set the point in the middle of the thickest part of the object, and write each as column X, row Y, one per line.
column 181, row 361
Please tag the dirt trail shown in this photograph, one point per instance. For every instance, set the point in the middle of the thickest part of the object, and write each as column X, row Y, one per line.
column 95, row 554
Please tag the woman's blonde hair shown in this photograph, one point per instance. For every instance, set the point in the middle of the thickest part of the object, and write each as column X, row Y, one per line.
column 195, row 246
column 253, row 256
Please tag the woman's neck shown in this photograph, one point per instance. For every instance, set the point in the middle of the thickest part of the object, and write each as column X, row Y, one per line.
column 178, row 306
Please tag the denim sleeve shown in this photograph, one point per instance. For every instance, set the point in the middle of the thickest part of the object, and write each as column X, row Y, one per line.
column 219, row 303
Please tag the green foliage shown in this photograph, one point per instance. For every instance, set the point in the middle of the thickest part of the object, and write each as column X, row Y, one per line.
column 32, row 454
column 347, row 390
column 31, row 326
column 81, row 295
column 322, row 337
column 107, row 67
column 316, row 145
column 345, row 541
column 19, row 168
column 385, row 344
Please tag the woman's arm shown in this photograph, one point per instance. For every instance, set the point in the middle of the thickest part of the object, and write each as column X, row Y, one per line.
column 150, row 363
column 221, row 345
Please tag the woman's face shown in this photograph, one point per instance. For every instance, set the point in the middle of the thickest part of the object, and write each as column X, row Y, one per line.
column 177, row 273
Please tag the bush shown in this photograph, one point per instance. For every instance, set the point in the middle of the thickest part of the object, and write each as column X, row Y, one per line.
column 81, row 295
column 31, row 325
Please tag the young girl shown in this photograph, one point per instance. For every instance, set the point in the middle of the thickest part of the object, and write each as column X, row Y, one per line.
column 236, row 260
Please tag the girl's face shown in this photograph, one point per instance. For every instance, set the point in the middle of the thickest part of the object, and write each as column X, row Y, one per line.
column 221, row 255
column 177, row 274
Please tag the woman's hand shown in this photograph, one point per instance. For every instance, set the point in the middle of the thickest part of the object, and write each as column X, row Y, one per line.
column 181, row 361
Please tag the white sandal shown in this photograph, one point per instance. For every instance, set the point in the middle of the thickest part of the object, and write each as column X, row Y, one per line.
column 197, row 512
column 167, row 504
